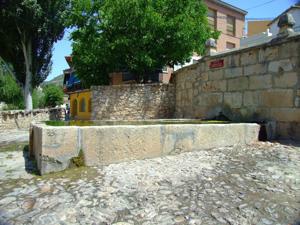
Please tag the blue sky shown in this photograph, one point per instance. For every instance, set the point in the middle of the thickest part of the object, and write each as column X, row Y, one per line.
column 255, row 8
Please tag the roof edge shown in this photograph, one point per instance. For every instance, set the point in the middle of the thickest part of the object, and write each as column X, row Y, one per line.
column 232, row 7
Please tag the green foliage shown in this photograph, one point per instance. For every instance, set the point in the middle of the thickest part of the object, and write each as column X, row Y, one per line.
column 10, row 92
column 79, row 160
column 53, row 95
column 38, row 99
column 28, row 30
column 135, row 35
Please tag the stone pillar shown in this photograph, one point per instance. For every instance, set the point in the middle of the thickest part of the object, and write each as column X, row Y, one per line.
column 211, row 47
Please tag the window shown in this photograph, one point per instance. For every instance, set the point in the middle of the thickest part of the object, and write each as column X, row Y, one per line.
column 230, row 45
column 230, row 25
column 82, row 105
column 212, row 22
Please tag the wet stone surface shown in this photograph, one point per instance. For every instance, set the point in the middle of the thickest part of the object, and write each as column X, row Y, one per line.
column 239, row 185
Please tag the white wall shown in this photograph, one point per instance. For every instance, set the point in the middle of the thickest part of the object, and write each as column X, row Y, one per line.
column 296, row 14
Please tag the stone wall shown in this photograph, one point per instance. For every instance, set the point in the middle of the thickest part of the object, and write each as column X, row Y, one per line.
column 130, row 102
column 21, row 119
column 260, row 83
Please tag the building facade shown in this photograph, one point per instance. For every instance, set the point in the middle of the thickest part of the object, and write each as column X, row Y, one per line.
column 257, row 27
column 227, row 19
column 80, row 98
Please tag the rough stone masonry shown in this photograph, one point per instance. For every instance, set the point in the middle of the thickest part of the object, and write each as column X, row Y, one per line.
column 260, row 83
column 21, row 119
column 132, row 102
column 254, row 84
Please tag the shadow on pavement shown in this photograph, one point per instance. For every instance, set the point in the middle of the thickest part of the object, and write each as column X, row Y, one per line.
column 289, row 143
column 30, row 163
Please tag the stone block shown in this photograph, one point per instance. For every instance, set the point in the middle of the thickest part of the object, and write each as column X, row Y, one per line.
column 57, row 147
column 203, row 76
column 261, row 114
column 286, row 80
column 251, row 98
column 286, row 114
column 277, row 98
column 297, row 102
column 280, row 66
column 289, row 49
column 238, row 84
column 233, row 60
column 234, row 99
column 260, row 82
column 271, row 130
column 268, row 54
column 233, row 72
column 214, row 86
column 216, row 74
column 226, row 135
column 288, row 130
column 104, row 145
column 199, row 112
column 201, row 67
column 255, row 69
column 249, row 57
column 210, row 99
column 195, row 92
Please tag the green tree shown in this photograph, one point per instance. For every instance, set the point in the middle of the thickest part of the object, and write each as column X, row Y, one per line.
column 10, row 91
column 53, row 95
column 135, row 35
column 28, row 30
column 38, row 99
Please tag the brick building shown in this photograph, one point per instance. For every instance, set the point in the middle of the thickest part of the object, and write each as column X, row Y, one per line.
column 227, row 19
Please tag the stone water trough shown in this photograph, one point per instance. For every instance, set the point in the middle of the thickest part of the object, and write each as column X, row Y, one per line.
column 54, row 147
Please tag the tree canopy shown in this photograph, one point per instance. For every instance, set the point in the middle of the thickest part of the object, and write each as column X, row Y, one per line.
column 53, row 95
column 28, row 30
column 135, row 35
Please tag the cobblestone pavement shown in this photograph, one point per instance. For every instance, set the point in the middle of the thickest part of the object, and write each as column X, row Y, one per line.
column 238, row 185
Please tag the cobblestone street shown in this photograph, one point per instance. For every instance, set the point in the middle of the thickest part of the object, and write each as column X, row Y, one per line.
column 238, row 185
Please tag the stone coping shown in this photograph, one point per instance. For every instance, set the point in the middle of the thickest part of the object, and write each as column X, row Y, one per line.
column 131, row 85
column 55, row 148
column 273, row 42
column 11, row 112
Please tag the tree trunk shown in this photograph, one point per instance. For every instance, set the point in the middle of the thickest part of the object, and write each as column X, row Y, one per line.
column 27, row 51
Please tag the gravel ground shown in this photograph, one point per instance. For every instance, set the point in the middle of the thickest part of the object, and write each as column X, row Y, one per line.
column 238, row 185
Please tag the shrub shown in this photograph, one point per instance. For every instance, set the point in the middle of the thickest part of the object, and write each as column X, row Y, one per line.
column 53, row 95
column 38, row 99
column 10, row 92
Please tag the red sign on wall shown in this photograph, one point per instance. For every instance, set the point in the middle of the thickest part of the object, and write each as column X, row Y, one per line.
column 216, row 64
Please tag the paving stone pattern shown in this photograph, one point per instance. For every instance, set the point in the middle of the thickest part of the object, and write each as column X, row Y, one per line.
column 8, row 137
column 236, row 185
